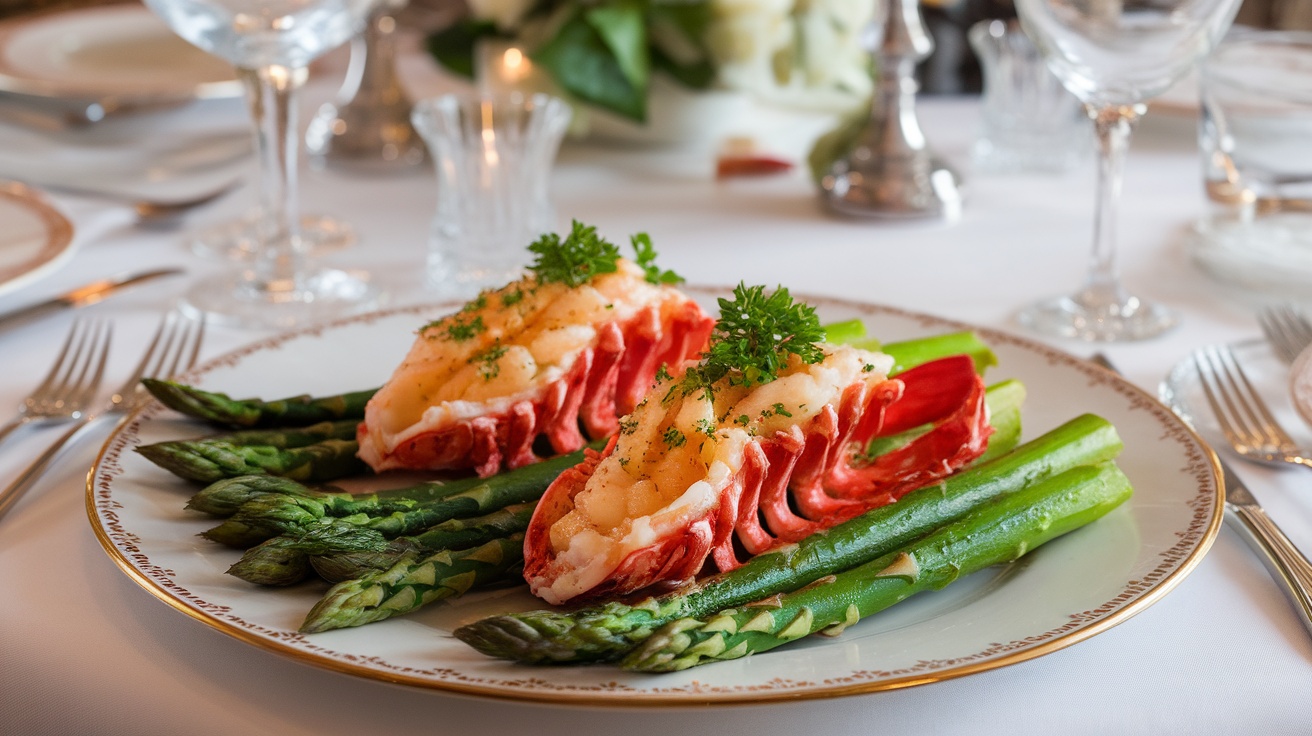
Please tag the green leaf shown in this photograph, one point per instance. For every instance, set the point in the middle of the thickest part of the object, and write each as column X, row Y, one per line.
column 697, row 75
column 454, row 47
column 623, row 28
column 677, row 33
column 579, row 60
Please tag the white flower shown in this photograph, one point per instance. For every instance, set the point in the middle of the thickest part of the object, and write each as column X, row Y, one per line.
column 506, row 14
column 803, row 51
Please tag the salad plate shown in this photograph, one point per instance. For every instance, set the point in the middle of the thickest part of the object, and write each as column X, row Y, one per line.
column 120, row 53
column 1070, row 589
column 1273, row 380
column 36, row 238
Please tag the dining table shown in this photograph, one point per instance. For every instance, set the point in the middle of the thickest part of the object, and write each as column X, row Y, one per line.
column 85, row 649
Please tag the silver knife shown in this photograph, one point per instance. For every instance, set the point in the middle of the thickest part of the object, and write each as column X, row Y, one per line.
column 82, row 296
column 1282, row 559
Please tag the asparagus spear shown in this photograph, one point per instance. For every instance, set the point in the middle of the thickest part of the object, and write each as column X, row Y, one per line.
column 402, row 511
column 180, row 459
column 226, row 497
column 413, row 582
column 996, row 533
column 608, row 631
column 272, row 562
column 343, row 551
column 223, row 410
column 211, row 460
column 346, row 558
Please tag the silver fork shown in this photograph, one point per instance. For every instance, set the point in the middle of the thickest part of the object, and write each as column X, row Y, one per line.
column 1240, row 412
column 174, row 348
column 1284, row 560
column 1286, row 329
column 72, row 381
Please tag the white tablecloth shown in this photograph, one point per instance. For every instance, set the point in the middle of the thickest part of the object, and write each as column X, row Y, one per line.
column 83, row 649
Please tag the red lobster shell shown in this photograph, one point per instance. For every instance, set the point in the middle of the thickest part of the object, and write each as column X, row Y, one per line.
column 479, row 387
column 781, row 484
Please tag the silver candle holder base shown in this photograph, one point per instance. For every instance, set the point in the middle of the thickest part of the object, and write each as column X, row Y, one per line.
column 889, row 173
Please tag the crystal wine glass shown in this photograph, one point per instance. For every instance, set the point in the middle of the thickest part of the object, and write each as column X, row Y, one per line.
column 1113, row 55
column 271, row 42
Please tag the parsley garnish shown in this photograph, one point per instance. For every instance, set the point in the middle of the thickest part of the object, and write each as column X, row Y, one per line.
column 628, row 424
column 706, row 427
column 646, row 260
column 475, row 305
column 511, row 298
column 753, row 339
column 575, row 260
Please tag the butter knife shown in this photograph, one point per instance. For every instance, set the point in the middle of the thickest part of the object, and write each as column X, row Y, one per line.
column 82, row 296
column 1282, row 559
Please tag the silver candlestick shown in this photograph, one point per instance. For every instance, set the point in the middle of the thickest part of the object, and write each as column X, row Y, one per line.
column 369, row 128
column 890, row 173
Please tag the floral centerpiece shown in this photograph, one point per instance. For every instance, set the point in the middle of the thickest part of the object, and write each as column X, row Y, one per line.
column 605, row 53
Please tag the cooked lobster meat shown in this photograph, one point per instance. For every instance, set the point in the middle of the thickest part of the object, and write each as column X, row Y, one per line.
column 735, row 466
column 539, row 365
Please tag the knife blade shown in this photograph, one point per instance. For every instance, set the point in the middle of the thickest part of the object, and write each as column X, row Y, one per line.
column 82, row 296
column 1282, row 559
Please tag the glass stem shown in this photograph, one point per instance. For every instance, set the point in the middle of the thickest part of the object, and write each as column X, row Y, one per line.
column 1113, row 125
column 279, row 252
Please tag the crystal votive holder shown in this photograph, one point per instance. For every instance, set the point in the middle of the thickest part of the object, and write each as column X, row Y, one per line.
column 493, row 154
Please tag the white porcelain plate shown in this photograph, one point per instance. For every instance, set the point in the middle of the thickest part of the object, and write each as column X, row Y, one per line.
column 1064, row 592
column 35, row 238
column 118, row 51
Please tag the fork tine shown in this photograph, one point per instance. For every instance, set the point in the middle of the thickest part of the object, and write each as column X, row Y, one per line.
column 174, row 341
column 1203, row 362
column 97, row 355
column 72, row 365
column 184, row 347
column 1257, row 407
column 1241, row 409
column 56, row 368
column 1286, row 329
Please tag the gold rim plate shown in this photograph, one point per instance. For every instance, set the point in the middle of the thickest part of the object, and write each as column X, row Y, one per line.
column 36, row 238
column 1067, row 591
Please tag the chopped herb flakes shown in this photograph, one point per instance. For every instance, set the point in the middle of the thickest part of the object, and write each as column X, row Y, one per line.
column 487, row 361
column 512, row 297
column 674, row 438
column 461, row 331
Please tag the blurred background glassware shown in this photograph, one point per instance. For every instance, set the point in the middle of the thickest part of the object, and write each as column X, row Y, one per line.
column 271, row 42
column 1029, row 121
column 1255, row 134
column 368, row 129
column 1113, row 56
column 493, row 155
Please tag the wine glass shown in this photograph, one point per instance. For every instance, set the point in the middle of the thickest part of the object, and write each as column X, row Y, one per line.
column 271, row 42
column 1113, row 55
